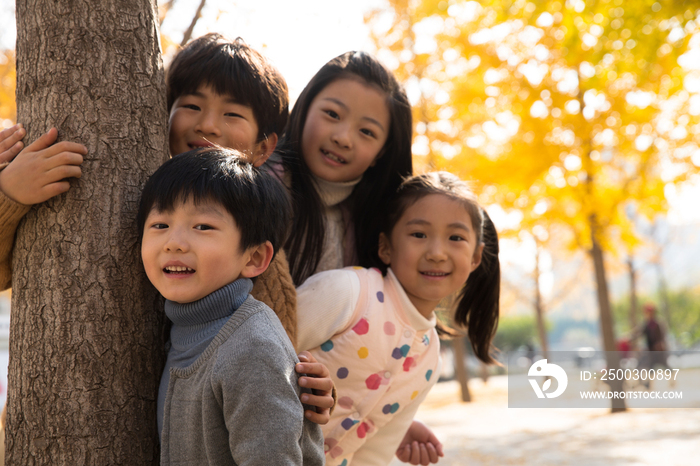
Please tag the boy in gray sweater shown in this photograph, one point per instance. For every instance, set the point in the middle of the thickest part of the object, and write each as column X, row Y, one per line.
column 228, row 395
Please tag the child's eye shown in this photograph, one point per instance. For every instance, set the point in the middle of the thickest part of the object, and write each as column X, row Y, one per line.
column 159, row 226
column 332, row 114
column 191, row 107
column 368, row 132
column 418, row 234
column 457, row 238
column 233, row 114
column 203, row 227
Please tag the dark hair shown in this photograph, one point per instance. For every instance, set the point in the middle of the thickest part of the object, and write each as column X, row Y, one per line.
column 254, row 197
column 478, row 305
column 379, row 182
column 234, row 69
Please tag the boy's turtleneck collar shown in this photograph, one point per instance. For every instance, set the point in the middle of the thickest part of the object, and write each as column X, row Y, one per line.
column 203, row 318
column 334, row 192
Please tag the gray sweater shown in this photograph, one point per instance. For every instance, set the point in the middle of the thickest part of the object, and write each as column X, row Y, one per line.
column 238, row 403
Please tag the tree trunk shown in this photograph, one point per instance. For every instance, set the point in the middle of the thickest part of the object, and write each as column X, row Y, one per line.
column 461, row 370
column 663, row 294
column 539, row 307
column 633, row 295
column 87, row 330
column 606, row 321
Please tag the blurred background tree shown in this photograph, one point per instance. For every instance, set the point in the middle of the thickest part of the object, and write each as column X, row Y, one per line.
column 8, row 79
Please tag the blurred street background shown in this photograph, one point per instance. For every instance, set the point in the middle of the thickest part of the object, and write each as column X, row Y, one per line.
column 486, row 432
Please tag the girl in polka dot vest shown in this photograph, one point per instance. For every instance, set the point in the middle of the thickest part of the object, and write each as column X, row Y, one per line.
column 376, row 330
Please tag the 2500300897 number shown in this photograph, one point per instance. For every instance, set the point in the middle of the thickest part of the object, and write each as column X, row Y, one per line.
column 637, row 374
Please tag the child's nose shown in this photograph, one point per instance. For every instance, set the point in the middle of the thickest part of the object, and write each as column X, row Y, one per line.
column 436, row 251
column 176, row 243
column 341, row 136
column 208, row 123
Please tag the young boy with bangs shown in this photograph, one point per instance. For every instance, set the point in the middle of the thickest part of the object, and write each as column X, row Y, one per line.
column 219, row 93
column 210, row 223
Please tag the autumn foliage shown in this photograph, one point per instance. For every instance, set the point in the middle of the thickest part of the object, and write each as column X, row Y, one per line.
column 565, row 111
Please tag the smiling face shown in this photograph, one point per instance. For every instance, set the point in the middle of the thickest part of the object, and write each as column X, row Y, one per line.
column 191, row 251
column 345, row 130
column 206, row 118
column 432, row 250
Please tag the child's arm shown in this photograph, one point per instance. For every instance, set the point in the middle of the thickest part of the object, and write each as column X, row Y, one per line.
column 326, row 306
column 260, row 400
column 10, row 212
column 419, row 445
column 33, row 176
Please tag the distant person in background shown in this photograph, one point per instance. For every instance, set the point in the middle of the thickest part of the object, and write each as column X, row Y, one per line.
column 655, row 339
column 652, row 330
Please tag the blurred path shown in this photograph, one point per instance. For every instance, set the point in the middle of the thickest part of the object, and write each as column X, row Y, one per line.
column 486, row 432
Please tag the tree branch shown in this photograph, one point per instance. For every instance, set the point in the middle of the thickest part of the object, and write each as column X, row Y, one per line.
column 188, row 33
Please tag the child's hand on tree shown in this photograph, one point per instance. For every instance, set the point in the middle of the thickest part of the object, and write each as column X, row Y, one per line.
column 316, row 377
column 419, row 445
column 39, row 172
column 11, row 143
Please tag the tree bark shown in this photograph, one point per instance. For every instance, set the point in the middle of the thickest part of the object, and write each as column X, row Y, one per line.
column 87, row 330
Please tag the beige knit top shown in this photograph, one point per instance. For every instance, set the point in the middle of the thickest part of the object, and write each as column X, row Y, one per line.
column 332, row 194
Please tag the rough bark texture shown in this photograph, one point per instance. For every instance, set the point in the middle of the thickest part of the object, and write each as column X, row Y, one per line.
column 87, row 331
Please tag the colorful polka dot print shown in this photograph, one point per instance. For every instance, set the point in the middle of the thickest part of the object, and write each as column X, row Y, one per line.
column 390, row 408
column 348, row 423
column 373, row 381
column 345, row 402
column 362, row 430
column 389, row 328
column 408, row 364
column 362, row 327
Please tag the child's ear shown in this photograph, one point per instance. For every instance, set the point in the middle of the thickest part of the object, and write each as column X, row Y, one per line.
column 476, row 258
column 384, row 251
column 258, row 260
column 265, row 149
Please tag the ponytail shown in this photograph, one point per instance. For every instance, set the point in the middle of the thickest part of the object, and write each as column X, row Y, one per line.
column 478, row 303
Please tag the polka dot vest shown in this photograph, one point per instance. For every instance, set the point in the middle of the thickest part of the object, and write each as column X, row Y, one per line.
column 380, row 366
